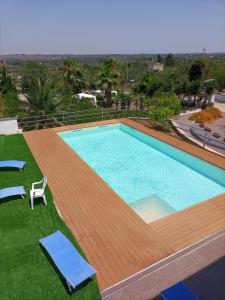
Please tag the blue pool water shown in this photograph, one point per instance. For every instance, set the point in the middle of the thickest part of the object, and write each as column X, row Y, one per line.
column 154, row 178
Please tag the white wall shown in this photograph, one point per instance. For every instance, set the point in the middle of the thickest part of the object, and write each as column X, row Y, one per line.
column 9, row 126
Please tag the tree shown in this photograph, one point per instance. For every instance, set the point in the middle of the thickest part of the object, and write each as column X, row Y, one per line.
column 196, row 70
column 151, row 84
column 170, row 62
column 220, row 76
column 148, row 85
column 159, row 58
column 143, row 84
column 194, row 87
column 109, row 77
column 74, row 75
column 9, row 103
column 209, row 86
column 6, row 83
column 30, row 71
column 41, row 96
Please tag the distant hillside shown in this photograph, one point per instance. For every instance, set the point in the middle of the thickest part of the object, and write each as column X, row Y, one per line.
column 47, row 57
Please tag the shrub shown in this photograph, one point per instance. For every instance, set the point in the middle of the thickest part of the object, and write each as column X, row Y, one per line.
column 9, row 104
column 208, row 115
column 161, row 115
column 166, row 105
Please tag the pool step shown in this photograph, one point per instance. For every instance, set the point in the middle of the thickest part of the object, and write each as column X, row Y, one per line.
column 152, row 208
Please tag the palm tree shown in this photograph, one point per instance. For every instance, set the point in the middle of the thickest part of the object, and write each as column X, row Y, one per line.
column 109, row 77
column 74, row 75
column 41, row 96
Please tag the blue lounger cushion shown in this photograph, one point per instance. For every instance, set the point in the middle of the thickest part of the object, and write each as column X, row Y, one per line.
column 12, row 164
column 179, row 291
column 12, row 191
column 68, row 260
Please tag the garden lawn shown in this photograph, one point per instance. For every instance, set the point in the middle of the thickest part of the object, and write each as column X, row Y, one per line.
column 25, row 272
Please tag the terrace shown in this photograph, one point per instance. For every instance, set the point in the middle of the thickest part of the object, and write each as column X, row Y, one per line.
column 116, row 241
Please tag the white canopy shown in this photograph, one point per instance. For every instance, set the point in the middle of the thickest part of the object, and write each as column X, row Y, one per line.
column 83, row 95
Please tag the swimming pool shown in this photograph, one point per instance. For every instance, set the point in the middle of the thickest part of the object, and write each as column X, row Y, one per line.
column 152, row 177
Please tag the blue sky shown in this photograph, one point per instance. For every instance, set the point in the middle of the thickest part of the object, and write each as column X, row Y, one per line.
column 111, row 26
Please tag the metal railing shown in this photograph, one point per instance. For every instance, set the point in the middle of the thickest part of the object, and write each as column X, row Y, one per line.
column 73, row 117
column 96, row 114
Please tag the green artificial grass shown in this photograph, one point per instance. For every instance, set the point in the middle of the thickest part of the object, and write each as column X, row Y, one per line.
column 25, row 271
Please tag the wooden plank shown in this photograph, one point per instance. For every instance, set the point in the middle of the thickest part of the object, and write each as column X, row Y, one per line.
column 192, row 224
column 116, row 241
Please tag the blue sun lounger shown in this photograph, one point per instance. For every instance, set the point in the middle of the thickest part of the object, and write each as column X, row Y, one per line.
column 12, row 191
column 12, row 164
column 178, row 291
column 68, row 260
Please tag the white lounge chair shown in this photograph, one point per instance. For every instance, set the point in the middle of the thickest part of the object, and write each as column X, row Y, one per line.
column 38, row 192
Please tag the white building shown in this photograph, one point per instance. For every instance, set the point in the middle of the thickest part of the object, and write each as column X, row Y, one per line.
column 158, row 67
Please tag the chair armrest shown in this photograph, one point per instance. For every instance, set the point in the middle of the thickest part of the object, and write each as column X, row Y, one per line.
column 35, row 183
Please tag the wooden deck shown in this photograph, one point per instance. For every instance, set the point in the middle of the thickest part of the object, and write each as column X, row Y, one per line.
column 116, row 241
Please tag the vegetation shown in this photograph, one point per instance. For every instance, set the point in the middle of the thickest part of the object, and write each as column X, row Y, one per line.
column 170, row 62
column 206, row 116
column 196, row 70
column 109, row 77
column 148, row 85
column 159, row 58
column 165, row 107
column 219, row 75
column 30, row 71
column 6, row 83
column 74, row 75
column 26, row 273
column 9, row 103
column 50, row 86
column 41, row 96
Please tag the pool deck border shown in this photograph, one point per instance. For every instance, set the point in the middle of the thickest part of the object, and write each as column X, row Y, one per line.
column 114, row 238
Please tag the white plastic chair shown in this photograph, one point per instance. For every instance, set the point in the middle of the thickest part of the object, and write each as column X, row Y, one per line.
column 38, row 192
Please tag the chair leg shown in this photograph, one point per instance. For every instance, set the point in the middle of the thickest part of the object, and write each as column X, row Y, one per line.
column 45, row 201
column 22, row 196
column 32, row 203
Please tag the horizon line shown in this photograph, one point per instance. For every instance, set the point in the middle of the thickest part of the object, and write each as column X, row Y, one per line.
column 96, row 54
